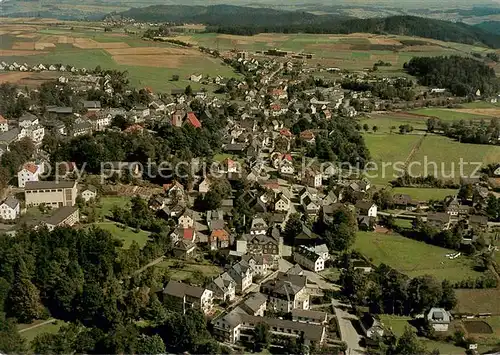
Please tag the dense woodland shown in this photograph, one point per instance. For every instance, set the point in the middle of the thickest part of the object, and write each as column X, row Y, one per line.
column 249, row 21
column 477, row 132
column 462, row 76
column 81, row 276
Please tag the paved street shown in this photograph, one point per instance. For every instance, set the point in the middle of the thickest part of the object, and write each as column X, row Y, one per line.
column 347, row 331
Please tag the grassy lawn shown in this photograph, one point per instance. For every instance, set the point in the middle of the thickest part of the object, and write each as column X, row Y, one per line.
column 412, row 257
column 107, row 203
column 384, row 122
column 183, row 271
column 388, row 148
column 31, row 334
column 126, row 235
column 403, row 223
column 422, row 194
column 447, row 154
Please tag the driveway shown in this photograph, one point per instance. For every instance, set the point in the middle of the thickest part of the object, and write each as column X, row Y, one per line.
column 347, row 331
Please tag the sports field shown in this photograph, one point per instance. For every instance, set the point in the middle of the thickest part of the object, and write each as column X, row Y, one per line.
column 412, row 257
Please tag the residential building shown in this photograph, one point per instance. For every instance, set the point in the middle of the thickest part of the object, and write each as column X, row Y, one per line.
column 89, row 193
column 255, row 305
column 184, row 249
column 258, row 226
column 181, row 297
column 10, row 209
column 308, row 316
column 320, row 249
column 312, row 178
column 286, row 292
column 238, row 326
column 223, row 287
column 241, row 273
column 50, row 193
column 309, row 259
column 366, row 208
column 186, row 220
column 92, row 106
column 218, row 239
column 260, row 264
column 439, row 319
column 66, row 216
column 4, row 124
column 371, row 326
column 439, row 220
column 29, row 172
column 27, row 120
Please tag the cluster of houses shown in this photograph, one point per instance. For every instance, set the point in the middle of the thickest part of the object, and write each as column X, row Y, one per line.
column 40, row 67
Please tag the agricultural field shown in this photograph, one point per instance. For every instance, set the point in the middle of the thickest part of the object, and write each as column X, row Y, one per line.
column 478, row 301
column 354, row 51
column 149, row 64
column 412, row 257
column 422, row 194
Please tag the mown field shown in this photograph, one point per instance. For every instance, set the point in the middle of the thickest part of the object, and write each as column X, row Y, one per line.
column 126, row 234
column 38, row 327
column 180, row 270
column 412, row 257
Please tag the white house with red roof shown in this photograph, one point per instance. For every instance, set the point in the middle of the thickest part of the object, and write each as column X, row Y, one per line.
column 192, row 120
column 231, row 166
column 4, row 124
column 29, row 172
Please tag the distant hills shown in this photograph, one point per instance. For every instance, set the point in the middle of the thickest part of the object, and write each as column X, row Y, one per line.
column 490, row 26
column 247, row 21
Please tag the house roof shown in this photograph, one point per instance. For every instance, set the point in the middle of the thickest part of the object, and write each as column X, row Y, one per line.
column 316, row 315
column 9, row 136
column 364, row 205
column 188, row 234
column 37, row 185
column 92, row 104
column 3, row 119
column 27, row 117
column 60, row 215
column 220, row 234
column 11, row 201
column 184, row 245
column 307, row 135
column 193, row 120
column 180, row 289
column 31, row 167
column 438, row 316
column 255, row 301
column 285, row 285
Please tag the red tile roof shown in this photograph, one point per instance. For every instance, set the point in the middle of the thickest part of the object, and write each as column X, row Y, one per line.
column 307, row 135
column 286, row 132
column 134, row 128
column 32, row 168
column 220, row 234
column 188, row 233
column 287, row 157
column 3, row 119
column 193, row 120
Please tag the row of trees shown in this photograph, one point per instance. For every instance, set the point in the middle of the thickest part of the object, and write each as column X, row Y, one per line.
column 386, row 290
column 477, row 132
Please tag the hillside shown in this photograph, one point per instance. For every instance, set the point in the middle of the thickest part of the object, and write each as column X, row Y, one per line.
column 489, row 26
column 247, row 21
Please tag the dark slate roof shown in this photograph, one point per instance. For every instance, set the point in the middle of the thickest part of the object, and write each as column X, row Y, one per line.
column 37, row 185
column 180, row 289
column 60, row 215
column 12, row 202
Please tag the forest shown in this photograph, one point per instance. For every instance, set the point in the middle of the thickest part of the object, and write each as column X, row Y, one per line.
column 241, row 20
column 462, row 76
